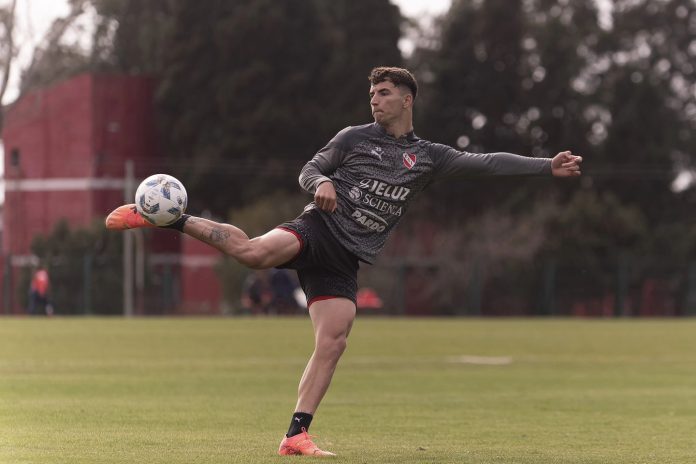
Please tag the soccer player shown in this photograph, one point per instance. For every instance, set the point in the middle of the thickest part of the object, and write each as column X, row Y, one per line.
column 363, row 182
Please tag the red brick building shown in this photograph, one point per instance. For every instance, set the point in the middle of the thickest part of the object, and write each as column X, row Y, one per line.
column 66, row 148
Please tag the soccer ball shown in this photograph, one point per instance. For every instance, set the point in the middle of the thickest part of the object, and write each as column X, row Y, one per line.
column 161, row 199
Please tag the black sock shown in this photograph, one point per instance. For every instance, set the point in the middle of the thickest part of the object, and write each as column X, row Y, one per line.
column 300, row 420
column 179, row 223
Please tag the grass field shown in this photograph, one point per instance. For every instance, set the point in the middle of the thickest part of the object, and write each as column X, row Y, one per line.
column 407, row 391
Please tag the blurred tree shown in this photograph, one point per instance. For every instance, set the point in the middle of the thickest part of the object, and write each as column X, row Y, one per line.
column 559, row 44
column 512, row 75
column 238, row 93
column 599, row 248
column 7, row 22
column 7, row 48
column 54, row 59
column 649, row 91
column 84, row 266
column 362, row 34
column 599, row 228
column 500, row 79
column 129, row 35
column 538, row 76
column 252, row 89
column 473, row 76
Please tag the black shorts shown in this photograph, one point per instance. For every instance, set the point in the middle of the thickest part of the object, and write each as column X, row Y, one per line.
column 325, row 268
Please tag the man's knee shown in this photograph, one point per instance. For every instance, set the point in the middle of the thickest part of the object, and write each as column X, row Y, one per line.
column 332, row 347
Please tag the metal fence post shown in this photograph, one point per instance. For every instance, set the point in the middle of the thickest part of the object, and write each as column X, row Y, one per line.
column 690, row 303
column 474, row 291
column 548, row 288
column 622, row 270
column 128, row 194
column 7, row 285
column 87, row 283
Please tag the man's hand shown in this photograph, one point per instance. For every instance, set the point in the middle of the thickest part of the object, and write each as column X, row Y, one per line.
column 325, row 197
column 566, row 164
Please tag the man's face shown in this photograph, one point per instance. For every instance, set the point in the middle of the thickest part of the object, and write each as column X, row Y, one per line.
column 388, row 102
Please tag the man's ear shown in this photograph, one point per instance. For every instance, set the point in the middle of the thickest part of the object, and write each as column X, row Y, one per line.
column 408, row 100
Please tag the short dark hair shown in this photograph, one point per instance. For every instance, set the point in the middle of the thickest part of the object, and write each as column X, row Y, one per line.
column 397, row 76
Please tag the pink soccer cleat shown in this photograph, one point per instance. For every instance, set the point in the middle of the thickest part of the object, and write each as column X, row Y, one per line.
column 126, row 217
column 301, row 444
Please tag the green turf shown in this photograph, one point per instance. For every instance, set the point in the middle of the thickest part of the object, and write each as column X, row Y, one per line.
column 222, row 391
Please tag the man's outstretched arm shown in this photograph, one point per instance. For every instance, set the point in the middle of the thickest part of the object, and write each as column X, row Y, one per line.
column 453, row 163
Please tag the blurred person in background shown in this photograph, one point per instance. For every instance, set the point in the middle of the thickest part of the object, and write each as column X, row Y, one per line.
column 283, row 286
column 256, row 292
column 39, row 293
column 363, row 181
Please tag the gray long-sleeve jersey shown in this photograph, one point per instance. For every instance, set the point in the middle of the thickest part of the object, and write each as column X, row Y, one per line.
column 377, row 176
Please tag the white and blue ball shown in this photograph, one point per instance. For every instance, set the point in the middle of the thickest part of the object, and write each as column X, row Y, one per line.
column 161, row 199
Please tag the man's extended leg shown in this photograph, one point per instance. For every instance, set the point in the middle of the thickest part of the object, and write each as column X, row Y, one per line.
column 332, row 320
column 269, row 250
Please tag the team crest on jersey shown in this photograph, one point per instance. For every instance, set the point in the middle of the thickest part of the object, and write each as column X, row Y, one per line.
column 409, row 160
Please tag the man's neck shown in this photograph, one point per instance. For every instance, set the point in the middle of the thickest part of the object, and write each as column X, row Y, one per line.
column 399, row 129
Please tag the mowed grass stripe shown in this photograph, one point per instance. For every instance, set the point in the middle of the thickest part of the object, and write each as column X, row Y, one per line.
column 176, row 390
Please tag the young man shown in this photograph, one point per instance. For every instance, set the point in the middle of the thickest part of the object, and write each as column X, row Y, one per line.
column 363, row 182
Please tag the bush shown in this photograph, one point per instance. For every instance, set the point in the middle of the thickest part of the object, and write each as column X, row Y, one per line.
column 85, row 267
